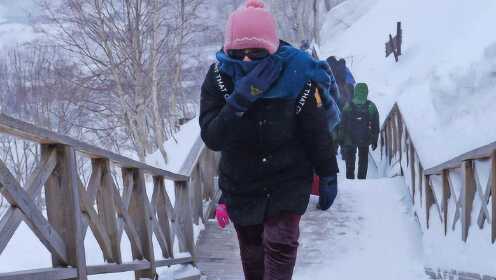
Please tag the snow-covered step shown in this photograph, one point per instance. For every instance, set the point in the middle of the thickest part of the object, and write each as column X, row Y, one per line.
column 187, row 272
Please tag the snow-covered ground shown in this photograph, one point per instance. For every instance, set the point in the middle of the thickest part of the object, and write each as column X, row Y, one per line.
column 375, row 237
column 444, row 83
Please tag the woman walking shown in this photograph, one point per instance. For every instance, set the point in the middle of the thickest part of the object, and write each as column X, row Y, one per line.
column 265, row 107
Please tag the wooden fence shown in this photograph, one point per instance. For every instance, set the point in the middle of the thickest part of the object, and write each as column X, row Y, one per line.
column 70, row 206
column 457, row 182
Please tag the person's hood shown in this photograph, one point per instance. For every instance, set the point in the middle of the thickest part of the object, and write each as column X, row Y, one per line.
column 361, row 94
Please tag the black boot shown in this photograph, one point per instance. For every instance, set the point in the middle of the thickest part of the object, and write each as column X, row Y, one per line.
column 363, row 162
column 350, row 158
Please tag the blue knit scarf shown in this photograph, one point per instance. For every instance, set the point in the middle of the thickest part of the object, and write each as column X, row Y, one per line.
column 298, row 69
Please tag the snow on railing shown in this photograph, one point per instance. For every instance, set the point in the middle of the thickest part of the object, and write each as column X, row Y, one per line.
column 70, row 206
column 460, row 191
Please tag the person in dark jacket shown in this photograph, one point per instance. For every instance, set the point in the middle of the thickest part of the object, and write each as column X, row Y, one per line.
column 359, row 130
column 344, row 80
column 263, row 106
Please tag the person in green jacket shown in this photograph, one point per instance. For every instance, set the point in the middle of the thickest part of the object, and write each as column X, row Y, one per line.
column 359, row 130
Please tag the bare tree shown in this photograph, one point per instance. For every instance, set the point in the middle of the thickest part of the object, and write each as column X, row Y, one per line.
column 129, row 46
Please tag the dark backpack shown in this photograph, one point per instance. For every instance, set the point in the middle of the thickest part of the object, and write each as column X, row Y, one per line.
column 360, row 124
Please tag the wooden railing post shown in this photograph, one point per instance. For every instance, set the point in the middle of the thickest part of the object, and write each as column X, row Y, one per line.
column 142, row 220
column 412, row 170
column 106, row 207
column 421, row 177
column 184, row 222
column 208, row 169
column 468, row 197
column 196, row 195
column 429, row 199
column 493, row 196
column 164, row 209
column 446, row 197
column 390, row 142
column 63, row 208
column 394, row 124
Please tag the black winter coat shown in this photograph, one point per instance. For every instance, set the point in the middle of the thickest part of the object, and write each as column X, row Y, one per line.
column 269, row 155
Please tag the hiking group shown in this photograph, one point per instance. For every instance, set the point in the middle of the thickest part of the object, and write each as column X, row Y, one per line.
column 277, row 116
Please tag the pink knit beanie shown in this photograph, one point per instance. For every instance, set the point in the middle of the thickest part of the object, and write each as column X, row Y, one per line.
column 251, row 26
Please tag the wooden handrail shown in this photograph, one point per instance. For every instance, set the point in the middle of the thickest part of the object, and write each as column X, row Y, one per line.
column 70, row 206
column 27, row 131
column 484, row 152
column 437, row 183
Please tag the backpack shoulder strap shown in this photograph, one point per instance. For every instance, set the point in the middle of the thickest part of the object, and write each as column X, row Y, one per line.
column 221, row 82
column 302, row 99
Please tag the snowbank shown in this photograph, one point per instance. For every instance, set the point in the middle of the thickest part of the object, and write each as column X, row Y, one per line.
column 177, row 148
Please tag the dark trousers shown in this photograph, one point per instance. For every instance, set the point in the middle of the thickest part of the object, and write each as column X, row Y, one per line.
column 268, row 251
column 363, row 161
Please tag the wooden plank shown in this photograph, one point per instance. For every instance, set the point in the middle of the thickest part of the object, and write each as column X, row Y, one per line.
column 157, row 230
column 159, row 234
column 128, row 223
column 185, row 259
column 429, row 198
column 399, row 38
column 33, row 217
column 493, row 196
column 128, row 182
column 91, row 191
column 141, row 217
column 183, row 218
column 115, row 268
column 41, row 274
column 421, row 176
column 64, row 210
column 92, row 219
column 383, row 139
column 210, row 213
column 413, row 171
column 96, row 178
column 458, row 201
column 400, row 135
column 484, row 196
column 468, row 197
column 446, row 197
column 406, row 142
column 13, row 217
column 208, row 168
column 394, row 134
column 30, row 132
column 483, row 152
column 160, row 201
column 107, row 211
column 196, row 195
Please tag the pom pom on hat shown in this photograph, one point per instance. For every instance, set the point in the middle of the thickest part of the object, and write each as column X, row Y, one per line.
column 254, row 4
column 251, row 26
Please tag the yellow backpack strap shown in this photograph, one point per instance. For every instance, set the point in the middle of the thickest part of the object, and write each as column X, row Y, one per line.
column 318, row 99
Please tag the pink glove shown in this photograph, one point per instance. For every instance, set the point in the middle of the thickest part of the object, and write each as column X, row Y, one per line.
column 221, row 215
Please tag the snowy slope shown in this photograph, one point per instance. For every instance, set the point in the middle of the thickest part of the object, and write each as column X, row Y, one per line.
column 445, row 82
column 14, row 22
